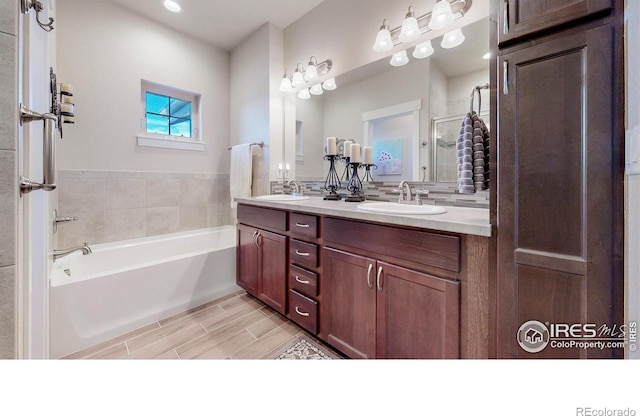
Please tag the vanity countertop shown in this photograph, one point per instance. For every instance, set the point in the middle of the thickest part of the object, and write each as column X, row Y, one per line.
column 462, row 220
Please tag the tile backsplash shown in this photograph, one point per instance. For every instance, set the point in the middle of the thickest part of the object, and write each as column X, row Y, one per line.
column 440, row 193
column 115, row 205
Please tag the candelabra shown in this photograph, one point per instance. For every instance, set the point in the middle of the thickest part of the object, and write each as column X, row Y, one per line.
column 354, row 186
column 332, row 183
column 367, row 175
column 345, row 174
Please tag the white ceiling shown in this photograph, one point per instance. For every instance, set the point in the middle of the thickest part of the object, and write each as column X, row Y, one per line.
column 223, row 23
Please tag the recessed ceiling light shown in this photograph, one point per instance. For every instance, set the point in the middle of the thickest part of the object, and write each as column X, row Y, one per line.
column 486, row 55
column 172, row 6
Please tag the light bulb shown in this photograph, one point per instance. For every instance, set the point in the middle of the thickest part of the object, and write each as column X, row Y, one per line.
column 330, row 84
column 316, row 89
column 311, row 74
column 410, row 30
column 383, row 39
column 399, row 58
column 452, row 39
column 298, row 79
column 304, row 94
column 423, row 50
column 172, row 6
column 441, row 15
column 285, row 84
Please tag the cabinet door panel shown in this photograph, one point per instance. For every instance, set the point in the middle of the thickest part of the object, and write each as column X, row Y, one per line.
column 556, row 174
column 247, row 259
column 272, row 285
column 520, row 18
column 348, row 308
column 418, row 315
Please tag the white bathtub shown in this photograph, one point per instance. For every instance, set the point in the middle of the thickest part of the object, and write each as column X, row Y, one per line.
column 125, row 285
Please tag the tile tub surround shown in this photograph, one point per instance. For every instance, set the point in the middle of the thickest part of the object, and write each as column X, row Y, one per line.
column 114, row 206
column 440, row 193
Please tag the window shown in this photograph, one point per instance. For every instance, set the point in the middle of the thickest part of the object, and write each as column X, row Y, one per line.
column 171, row 118
column 168, row 115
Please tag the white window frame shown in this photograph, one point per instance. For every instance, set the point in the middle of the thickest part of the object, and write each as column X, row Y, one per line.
column 146, row 139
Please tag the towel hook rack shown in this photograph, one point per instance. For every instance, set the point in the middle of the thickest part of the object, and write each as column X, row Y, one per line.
column 36, row 5
column 477, row 89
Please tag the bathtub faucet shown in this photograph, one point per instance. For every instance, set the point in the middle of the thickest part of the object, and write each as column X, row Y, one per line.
column 65, row 252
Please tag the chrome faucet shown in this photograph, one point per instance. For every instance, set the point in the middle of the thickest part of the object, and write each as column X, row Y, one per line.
column 405, row 192
column 57, row 254
column 296, row 188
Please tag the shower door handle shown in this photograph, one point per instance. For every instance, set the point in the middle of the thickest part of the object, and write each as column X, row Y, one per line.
column 49, row 151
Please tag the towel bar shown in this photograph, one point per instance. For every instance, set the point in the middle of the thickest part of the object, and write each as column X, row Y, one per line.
column 261, row 144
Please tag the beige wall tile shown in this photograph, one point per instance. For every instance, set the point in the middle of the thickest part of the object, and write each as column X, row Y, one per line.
column 7, row 331
column 162, row 220
column 162, row 192
column 124, row 224
column 89, row 228
column 193, row 216
column 8, row 89
column 81, row 194
column 124, row 193
column 8, row 195
column 7, row 285
column 8, row 19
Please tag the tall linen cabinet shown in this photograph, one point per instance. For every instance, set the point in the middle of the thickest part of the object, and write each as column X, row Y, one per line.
column 557, row 163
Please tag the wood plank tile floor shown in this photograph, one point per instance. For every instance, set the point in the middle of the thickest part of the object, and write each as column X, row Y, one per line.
column 236, row 326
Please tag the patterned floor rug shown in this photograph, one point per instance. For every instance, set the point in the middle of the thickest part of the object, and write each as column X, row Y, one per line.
column 304, row 348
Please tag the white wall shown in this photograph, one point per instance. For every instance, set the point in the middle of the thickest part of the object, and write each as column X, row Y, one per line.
column 459, row 91
column 311, row 114
column 105, row 50
column 256, row 105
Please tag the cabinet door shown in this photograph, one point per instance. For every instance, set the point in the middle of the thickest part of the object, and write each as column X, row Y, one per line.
column 520, row 18
column 556, row 196
column 418, row 314
column 348, row 307
column 272, row 284
column 247, row 259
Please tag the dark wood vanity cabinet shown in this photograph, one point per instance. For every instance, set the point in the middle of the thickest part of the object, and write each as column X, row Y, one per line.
column 558, row 206
column 521, row 18
column 393, row 312
column 262, row 256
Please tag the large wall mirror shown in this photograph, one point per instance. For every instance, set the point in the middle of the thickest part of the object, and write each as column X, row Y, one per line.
column 441, row 85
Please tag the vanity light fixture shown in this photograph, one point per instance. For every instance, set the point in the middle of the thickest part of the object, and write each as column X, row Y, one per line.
column 441, row 15
column 399, row 58
column 383, row 39
column 423, row 50
column 486, row 55
column 452, row 39
column 172, row 6
column 308, row 81
column 410, row 30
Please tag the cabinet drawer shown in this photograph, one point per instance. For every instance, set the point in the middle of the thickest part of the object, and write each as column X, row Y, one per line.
column 303, row 254
column 262, row 217
column 303, row 311
column 303, row 224
column 303, row 281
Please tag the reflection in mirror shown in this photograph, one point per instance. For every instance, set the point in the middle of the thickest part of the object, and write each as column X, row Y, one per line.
column 442, row 84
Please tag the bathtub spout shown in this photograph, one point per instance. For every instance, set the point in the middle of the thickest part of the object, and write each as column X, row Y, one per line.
column 65, row 252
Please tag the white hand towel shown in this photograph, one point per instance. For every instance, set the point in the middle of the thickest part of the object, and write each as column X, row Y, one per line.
column 241, row 172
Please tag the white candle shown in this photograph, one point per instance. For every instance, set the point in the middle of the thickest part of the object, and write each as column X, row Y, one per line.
column 355, row 153
column 66, row 108
column 66, row 88
column 331, row 146
column 347, row 149
column 368, row 155
column 67, row 99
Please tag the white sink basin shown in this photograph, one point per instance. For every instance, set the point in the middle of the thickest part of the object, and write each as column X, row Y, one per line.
column 395, row 208
column 282, row 197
